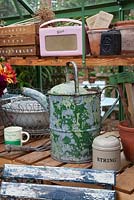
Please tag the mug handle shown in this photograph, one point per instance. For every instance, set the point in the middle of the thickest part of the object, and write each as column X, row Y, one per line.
column 28, row 136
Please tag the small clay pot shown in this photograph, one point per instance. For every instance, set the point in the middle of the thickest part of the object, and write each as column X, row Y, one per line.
column 94, row 36
column 92, row 79
column 127, row 34
column 127, row 139
column 71, row 77
column 124, row 23
column 81, row 79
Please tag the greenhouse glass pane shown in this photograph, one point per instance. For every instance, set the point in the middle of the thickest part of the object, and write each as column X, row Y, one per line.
column 8, row 8
column 66, row 4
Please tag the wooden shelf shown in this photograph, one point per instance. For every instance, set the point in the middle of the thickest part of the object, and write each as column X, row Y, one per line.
column 61, row 61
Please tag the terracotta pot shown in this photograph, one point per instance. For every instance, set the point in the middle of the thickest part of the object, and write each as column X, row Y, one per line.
column 127, row 33
column 81, row 79
column 94, row 36
column 92, row 79
column 71, row 77
column 124, row 23
column 127, row 139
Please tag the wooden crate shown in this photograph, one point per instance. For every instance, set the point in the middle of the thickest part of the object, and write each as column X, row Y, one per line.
column 19, row 40
column 29, row 50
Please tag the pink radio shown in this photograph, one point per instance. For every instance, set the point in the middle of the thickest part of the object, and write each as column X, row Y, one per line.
column 61, row 40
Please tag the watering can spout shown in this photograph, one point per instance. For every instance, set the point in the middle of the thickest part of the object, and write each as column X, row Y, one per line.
column 38, row 96
column 72, row 63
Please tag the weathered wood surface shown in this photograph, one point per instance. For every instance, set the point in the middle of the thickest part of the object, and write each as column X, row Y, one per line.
column 59, row 174
column 125, row 182
column 14, row 40
column 38, row 191
column 19, row 29
column 30, row 50
column 124, row 179
column 61, row 61
column 124, row 196
column 20, row 40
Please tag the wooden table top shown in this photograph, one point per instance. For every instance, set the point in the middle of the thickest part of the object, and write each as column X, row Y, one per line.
column 124, row 178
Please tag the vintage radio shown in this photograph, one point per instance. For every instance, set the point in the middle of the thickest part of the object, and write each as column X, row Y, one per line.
column 61, row 40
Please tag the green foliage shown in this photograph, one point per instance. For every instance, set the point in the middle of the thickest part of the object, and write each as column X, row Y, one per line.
column 130, row 15
column 92, row 73
column 81, row 73
column 26, row 76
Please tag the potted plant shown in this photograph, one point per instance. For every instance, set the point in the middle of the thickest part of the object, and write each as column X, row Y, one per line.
column 81, row 76
column 92, row 76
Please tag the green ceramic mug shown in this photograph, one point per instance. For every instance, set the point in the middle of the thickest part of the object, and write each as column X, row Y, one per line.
column 13, row 135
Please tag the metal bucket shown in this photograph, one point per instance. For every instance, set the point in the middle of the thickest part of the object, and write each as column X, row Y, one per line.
column 75, row 121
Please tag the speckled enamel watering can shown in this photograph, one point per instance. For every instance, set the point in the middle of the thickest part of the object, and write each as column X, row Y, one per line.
column 75, row 120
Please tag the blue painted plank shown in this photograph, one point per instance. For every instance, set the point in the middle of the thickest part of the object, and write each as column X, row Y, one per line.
column 54, row 192
column 59, row 174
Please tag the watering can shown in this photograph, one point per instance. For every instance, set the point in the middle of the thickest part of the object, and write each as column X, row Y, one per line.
column 75, row 119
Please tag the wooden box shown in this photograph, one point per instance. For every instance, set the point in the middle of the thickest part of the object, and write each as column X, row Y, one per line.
column 19, row 40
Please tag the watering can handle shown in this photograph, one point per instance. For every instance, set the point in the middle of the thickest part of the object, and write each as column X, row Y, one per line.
column 75, row 75
column 114, row 104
